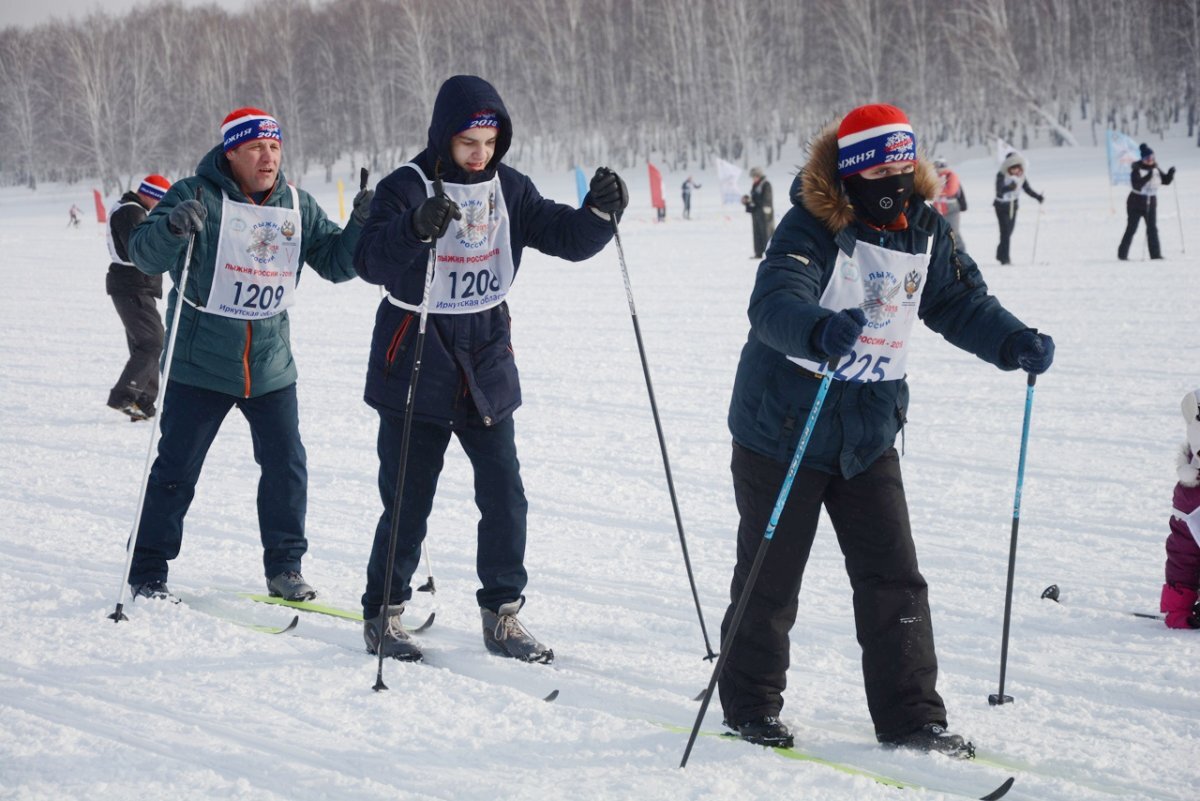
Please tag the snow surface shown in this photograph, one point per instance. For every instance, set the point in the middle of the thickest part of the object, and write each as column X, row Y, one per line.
column 180, row 703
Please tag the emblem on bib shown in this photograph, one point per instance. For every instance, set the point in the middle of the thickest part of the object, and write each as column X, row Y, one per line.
column 262, row 242
column 288, row 229
column 473, row 230
column 880, row 290
column 912, row 282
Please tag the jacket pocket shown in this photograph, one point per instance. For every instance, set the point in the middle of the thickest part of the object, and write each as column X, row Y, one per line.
column 397, row 346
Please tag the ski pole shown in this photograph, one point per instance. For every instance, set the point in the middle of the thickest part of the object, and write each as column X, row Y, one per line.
column 999, row 697
column 1036, row 224
column 1179, row 216
column 744, row 599
column 181, row 289
column 405, row 437
column 662, row 442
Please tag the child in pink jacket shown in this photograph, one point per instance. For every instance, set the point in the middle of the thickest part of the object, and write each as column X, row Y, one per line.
column 1179, row 593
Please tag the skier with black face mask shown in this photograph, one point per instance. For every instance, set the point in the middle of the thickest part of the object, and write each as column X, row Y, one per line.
column 853, row 265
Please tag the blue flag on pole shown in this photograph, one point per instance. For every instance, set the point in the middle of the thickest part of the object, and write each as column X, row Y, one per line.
column 1122, row 153
column 581, row 184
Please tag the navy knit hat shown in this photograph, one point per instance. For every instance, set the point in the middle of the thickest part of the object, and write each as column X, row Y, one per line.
column 1145, row 150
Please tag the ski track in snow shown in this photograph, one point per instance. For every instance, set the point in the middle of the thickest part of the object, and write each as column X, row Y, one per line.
column 179, row 703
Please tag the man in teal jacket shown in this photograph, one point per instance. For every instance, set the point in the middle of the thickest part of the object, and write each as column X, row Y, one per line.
column 253, row 234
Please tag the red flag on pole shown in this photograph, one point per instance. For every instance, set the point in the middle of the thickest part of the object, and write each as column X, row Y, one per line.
column 101, row 216
column 656, row 189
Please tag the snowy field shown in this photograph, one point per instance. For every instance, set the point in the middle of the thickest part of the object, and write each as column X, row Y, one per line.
column 180, row 703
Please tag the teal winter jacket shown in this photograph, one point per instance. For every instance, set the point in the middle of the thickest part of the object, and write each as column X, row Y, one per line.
column 245, row 358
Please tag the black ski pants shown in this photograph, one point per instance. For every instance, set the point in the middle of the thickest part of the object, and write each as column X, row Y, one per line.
column 891, row 607
column 144, row 336
column 1006, row 216
column 1137, row 207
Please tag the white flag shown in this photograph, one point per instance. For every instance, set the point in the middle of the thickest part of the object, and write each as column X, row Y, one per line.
column 728, row 176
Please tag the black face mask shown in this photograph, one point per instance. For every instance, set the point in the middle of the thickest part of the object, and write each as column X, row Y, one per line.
column 880, row 201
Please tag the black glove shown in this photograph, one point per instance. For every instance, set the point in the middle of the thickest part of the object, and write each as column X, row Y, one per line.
column 187, row 218
column 1031, row 351
column 607, row 192
column 1168, row 177
column 362, row 206
column 432, row 218
column 835, row 335
column 1041, row 198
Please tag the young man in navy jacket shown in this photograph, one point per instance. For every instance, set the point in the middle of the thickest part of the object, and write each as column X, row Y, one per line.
column 479, row 214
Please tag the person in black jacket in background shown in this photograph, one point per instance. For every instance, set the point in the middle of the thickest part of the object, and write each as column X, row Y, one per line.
column 1010, row 183
column 760, row 205
column 1145, row 177
column 135, row 294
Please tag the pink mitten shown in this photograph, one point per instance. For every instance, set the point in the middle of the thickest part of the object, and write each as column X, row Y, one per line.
column 1179, row 604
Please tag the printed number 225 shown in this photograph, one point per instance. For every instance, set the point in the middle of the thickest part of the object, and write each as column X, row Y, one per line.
column 864, row 363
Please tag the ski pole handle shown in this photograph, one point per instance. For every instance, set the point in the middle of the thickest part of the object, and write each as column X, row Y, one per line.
column 362, row 179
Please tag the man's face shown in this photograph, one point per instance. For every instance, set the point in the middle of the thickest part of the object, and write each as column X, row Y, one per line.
column 473, row 148
column 1016, row 172
column 150, row 202
column 1149, row 159
column 255, row 165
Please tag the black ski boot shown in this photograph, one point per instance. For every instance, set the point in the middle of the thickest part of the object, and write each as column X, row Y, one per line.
column 933, row 737
column 767, row 730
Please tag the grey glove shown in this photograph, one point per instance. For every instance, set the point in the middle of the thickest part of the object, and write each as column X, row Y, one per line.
column 187, row 218
column 362, row 206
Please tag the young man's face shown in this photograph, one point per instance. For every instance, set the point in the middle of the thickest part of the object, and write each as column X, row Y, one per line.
column 255, row 165
column 473, row 148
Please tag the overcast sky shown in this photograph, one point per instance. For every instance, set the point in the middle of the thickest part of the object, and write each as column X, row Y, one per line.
column 28, row 13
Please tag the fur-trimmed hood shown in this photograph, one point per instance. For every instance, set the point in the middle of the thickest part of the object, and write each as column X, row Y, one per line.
column 819, row 189
column 1186, row 467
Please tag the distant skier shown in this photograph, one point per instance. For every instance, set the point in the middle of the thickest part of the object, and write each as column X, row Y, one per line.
column 1010, row 183
column 950, row 200
column 135, row 293
column 1145, row 178
column 480, row 220
column 855, row 263
column 760, row 206
column 1179, row 592
column 75, row 216
column 688, row 186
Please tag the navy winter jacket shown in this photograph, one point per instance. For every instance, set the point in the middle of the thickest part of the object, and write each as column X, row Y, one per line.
column 468, row 361
column 772, row 396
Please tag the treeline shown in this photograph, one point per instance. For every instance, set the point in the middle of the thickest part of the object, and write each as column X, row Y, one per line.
column 587, row 81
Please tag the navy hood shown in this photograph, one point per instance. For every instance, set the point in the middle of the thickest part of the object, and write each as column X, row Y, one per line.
column 457, row 101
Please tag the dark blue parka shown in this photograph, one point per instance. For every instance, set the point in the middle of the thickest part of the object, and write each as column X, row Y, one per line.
column 772, row 396
column 468, row 358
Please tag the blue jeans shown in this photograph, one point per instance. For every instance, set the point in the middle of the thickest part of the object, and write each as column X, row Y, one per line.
column 499, row 494
column 191, row 417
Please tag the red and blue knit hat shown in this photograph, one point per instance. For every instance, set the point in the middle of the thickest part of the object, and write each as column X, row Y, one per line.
column 246, row 124
column 154, row 186
column 872, row 135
